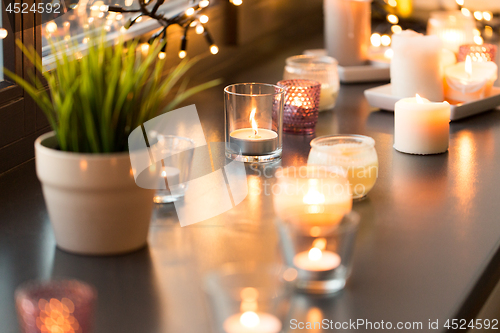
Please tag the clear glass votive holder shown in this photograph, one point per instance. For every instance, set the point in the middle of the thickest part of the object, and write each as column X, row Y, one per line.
column 452, row 27
column 484, row 52
column 323, row 262
column 314, row 198
column 355, row 155
column 56, row 306
column 321, row 68
column 253, row 121
column 176, row 154
column 249, row 297
column 300, row 112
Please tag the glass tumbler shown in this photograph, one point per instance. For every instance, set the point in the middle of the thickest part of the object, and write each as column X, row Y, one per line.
column 55, row 306
column 249, row 297
column 300, row 112
column 323, row 69
column 253, row 121
column 354, row 154
column 323, row 261
column 176, row 155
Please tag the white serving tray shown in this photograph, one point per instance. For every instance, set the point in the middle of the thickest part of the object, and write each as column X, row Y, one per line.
column 382, row 98
column 374, row 71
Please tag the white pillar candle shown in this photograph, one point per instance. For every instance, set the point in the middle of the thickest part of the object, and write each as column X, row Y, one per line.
column 316, row 260
column 416, row 66
column 469, row 80
column 347, row 30
column 421, row 127
column 252, row 322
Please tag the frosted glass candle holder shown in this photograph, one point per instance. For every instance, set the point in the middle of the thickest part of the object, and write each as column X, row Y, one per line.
column 323, row 262
column 323, row 69
column 56, row 306
column 249, row 297
column 300, row 112
column 254, row 121
column 354, row 154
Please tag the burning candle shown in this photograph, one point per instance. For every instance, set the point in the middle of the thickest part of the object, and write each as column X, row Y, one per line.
column 317, row 259
column 469, row 81
column 421, row 127
column 252, row 322
column 255, row 140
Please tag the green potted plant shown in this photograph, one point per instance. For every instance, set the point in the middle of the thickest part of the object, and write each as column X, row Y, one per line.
column 94, row 101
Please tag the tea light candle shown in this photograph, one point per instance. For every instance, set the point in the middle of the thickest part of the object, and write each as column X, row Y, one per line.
column 254, row 141
column 316, row 260
column 469, row 81
column 252, row 322
column 416, row 66
column 421, row 127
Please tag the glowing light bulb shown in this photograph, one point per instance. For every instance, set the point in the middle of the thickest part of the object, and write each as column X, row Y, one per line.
column 161, row 56
column 189, row 11
column 94, row 7
column 118, row 17
column 144, row 47
column 214, row 49
column 487, row 16
column 392, row 19
column 396, row 29
column 389, row 53
column 465, row 12
column 478, row 15
column 249, row 319
column 478, row 40
column 139, row 19
column 199, row 29
column 3, row 33
column 237, row 2
column 104, row 8
column 51, row 27
column 204, row 3
column 203, row 19
column 392, row 3
column 460, row 2
column 385, row 40
column 315, row 254
column 375, row 39
column 182, row 54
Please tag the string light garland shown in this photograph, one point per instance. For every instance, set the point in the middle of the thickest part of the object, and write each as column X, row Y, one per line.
column 190, row 18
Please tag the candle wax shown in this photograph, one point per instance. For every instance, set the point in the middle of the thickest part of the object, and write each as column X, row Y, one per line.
column 327, row 98
column 268, row 323
column 246, row 142
column 328, row 261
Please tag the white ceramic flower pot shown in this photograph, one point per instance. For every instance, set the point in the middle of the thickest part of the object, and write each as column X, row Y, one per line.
column 94, row 205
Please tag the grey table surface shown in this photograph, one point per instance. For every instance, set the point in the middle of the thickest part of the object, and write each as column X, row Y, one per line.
column 429, row 233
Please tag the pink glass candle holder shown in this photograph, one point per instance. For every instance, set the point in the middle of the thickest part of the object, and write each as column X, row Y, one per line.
column 56, row 306
column 300, row 112
column 485, row 52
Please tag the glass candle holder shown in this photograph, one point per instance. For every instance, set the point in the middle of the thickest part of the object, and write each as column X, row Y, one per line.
column 323, row 262
column 314, row 198
column 300, row 112
column 452, row 27
column 254, row 121
column 249, row 297
column 323, row 69
column 176, row 154
column 55, row 306
column 485, row 52
column 355, row 155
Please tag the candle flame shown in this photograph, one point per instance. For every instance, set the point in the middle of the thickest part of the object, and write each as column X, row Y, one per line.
column 313, row 197
column 249, row 319
column 419, row 99
column 253, row 122
column 468, row 65
column 320, row 243
column 315, row 254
